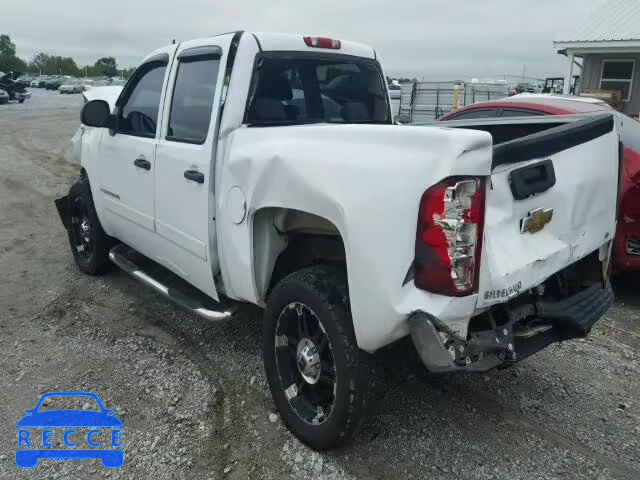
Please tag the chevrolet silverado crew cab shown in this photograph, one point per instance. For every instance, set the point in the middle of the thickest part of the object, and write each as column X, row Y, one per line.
column 267, row 169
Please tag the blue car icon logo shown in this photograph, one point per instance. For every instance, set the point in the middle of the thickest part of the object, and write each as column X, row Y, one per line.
column 70, row 423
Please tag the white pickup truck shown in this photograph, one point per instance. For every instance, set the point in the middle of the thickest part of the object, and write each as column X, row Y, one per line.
column 266, row 168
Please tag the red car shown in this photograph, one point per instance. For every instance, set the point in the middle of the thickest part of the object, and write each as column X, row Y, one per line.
column 627, row 241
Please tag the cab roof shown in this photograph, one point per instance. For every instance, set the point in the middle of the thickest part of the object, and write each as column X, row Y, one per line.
column 288, row 42
column 295, row 42
column 271, row 41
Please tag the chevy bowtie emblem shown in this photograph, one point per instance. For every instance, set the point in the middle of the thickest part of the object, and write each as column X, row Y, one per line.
column 536, row 220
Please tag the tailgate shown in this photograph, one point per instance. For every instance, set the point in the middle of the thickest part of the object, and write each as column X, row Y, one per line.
column 552, row 200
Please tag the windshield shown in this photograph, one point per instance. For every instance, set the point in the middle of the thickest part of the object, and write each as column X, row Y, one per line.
column 324, row 89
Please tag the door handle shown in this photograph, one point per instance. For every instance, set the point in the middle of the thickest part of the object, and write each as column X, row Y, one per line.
column 142, row 163
column 194, row 176
column 532, row 179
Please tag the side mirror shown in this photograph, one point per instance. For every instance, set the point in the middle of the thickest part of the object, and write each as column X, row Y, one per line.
column 96, row 113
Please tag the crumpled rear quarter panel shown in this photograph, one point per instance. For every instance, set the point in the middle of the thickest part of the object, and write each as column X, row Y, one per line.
column 367, row 180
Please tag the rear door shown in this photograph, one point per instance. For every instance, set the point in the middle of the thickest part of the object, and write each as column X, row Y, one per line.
column 184, row 196
column 552, row 201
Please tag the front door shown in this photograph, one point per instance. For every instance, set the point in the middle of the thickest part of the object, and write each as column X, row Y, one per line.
column 127, row 155
column 184, row 164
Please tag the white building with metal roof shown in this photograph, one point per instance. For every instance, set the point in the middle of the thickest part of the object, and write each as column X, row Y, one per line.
column 608, row 41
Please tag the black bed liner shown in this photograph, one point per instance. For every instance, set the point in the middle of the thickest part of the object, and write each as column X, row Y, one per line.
column 552, row 140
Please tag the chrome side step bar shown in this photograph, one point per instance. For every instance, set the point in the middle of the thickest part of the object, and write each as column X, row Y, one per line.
column 118, row 256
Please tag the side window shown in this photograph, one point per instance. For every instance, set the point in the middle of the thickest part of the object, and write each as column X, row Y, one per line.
column 520, row 112
column 471, row 114
column 139, row 113
column 192, row 100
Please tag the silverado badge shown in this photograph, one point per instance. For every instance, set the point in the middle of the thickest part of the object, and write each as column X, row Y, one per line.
column 536, row 220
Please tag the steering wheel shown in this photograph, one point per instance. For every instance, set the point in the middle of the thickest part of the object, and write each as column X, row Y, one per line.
column 142, row 120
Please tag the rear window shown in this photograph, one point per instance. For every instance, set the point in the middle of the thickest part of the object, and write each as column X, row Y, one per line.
column 331, row 89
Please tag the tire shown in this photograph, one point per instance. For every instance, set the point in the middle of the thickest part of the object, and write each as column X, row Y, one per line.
column 89, row 244
column 21, row 100
column 319, row 295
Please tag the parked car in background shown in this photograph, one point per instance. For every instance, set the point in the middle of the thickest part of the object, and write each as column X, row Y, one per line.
column 4, row 97
column 55, row 82
column 15, row 89
column 38, row 82
column 627, row 241
column 24, row 81
column 52, row 83
column 525, row 87
column 73, row 86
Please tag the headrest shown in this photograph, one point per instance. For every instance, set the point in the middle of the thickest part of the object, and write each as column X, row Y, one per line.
column 266, row 109
column 274, row 85
column 355, row 112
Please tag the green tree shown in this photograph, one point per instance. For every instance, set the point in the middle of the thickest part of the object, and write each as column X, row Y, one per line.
column 45, row 64
column 7, row 47
column 107, row 66
column 127, row 72
column 54, row 65
column 67, row 66
column 8, row 60
column 40, row 62
column 12, row 64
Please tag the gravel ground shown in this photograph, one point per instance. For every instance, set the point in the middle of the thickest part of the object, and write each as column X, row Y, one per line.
column 192, row 395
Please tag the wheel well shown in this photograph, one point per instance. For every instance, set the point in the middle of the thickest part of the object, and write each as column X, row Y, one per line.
column 287, row 240
column 306, row 250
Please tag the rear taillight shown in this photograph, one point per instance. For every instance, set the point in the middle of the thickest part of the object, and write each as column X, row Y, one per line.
column 322, row 42
column 449, row 236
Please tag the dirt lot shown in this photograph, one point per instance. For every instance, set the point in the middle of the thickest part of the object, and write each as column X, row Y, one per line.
column 192, row 395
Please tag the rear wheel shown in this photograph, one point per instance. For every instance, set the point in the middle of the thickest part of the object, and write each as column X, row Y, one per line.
column 318, row 376
column 89, row 244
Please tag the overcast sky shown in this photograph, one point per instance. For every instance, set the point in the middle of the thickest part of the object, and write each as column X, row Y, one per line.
column 437, row 39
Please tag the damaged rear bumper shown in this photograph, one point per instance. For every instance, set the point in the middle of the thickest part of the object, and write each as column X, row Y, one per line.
column 506, row 343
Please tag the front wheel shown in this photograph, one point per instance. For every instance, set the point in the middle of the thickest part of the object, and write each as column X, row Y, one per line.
column 319, row 378
column 89, row 243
